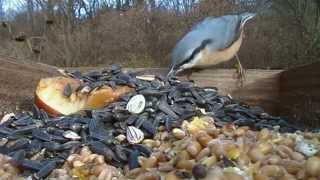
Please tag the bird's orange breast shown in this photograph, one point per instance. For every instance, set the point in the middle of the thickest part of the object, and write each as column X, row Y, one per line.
column 213, row 58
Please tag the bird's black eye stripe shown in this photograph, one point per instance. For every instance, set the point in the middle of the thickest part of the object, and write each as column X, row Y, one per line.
column 203, row 44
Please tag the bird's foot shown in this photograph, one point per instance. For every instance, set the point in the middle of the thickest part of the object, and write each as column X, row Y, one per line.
column 241, row 74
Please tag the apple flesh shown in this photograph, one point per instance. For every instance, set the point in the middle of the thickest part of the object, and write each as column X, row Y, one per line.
column 50, row 97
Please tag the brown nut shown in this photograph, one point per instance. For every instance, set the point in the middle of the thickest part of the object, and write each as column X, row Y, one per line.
column 203, row 153
column 265, row 147
column 186, row 164
column 96, row 170
column 273, row 171
column 231, row 151
column 209, row 161
column 228, row 129
column 216, row 148
column 149, row 142
column 283, row 151
column 260, row 177
column 215, row 173
column 171, row 176
column 106, row 174
column 203, row 138
column 72, row 158
column 232, row 176
column 288, row 142
column 99, row 159
column 297, row 156
column 89, row 158
column 161, row 156
column 149, row 162
column 178, row 133
column 313, row 167
column 194, row 148
column 301, row 175
column 85, row 151
column 241, row 131
column 77, row 163
column 291, row 166
column 148, row 176
column 214, row 132
column 273, row 159
column 243, row 160
column 8, row 168
column 164, row 136
column 165, row 167
column 288, row 177
column 183, row 155
column 264, row 135
column 255, row 154
column 312, row 178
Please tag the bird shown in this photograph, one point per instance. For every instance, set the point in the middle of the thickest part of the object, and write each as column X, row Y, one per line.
column 210, row 42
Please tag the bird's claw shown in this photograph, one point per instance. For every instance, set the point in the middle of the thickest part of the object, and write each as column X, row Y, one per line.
column 241, row 73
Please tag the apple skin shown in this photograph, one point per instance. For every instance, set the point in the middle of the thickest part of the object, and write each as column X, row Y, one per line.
column 49, row 96
column 41, row 105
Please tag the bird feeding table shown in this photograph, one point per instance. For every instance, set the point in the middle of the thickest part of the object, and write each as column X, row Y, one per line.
column 293, row 93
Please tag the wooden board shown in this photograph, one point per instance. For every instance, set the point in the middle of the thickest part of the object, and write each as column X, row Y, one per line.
column 18, row 82
column 261, row 87
column 300, row 94
column 293, row 93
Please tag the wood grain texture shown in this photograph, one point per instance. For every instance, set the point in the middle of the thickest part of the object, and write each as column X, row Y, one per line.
column 300, row 94
column 261, row 87
column 18, row 82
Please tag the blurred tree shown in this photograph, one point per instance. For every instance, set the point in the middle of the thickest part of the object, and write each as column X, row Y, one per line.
column 2, row 14
column 305, row 17
column 91, row 32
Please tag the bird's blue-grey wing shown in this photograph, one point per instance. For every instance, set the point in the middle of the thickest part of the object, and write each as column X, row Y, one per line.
column 220, row 31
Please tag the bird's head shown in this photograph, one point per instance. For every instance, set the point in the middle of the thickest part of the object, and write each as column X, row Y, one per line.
column 246, row 17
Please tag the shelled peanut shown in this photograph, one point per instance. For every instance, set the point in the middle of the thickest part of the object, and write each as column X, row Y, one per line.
column 199, row 150
column 85, row 165
column 7, row 170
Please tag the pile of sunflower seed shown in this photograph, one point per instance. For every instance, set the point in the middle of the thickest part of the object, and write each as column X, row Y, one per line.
column 38, row 143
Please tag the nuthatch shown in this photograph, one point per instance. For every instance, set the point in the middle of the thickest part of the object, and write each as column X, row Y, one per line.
column 210, row 42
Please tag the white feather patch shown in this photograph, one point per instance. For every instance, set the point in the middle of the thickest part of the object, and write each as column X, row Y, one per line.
column 193, row 61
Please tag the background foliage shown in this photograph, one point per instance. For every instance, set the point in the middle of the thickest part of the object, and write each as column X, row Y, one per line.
column 142, row 33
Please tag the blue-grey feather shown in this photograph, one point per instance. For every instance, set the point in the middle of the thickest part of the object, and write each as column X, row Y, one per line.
column 222, row 31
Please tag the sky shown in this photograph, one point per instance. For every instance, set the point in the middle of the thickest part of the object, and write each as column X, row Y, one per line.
column 11, row 4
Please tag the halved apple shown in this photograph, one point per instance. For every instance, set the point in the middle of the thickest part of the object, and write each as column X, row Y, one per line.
column 105, row 95
column 51, row 96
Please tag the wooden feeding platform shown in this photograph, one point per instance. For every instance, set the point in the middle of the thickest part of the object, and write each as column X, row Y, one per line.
column 293, row 93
